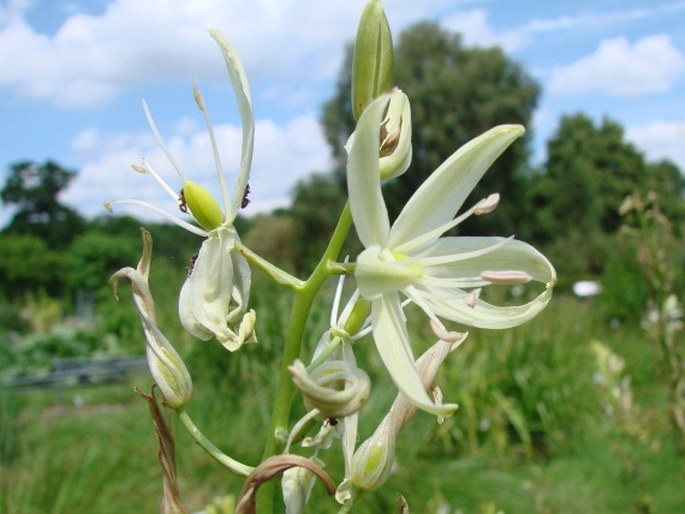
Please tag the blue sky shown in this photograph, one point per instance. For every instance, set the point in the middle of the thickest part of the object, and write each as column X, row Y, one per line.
column 74, row 72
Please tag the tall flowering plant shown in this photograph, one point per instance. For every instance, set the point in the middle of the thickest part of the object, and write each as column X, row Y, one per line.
column 408, row 262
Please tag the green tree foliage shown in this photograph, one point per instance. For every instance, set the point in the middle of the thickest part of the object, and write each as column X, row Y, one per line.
column 28, row 266
column 34, row 190
column 456, row 93
column 589, row 171
column 94, row 256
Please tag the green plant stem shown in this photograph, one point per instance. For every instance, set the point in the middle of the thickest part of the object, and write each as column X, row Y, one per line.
column 233, row 465
column 277, row 274
column 304, row 298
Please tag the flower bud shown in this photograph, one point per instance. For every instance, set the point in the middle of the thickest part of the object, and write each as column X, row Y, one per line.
column 167, row 367
column 372, row 59
column 358, row 316
column 202, row 205
column 373, row 460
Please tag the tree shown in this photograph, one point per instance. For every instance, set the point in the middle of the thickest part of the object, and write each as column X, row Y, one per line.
column 456, row 93
column 28, row 266
column 34, row 190
column 589, row 171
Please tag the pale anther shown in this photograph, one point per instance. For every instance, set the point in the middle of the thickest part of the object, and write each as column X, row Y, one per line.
column 486, row 205
column 508, row 277
column 472, row 297
column 443, row 334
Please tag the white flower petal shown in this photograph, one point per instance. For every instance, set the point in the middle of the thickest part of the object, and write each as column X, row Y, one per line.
column 392, row 341
column 368, row 208
column 470, row 256
column 441, row 196
column 206, row 293
column 241, row 89
column 452, row 304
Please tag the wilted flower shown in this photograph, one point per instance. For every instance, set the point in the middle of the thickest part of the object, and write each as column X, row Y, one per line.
column 167, row 367
column 395, row 151
column 213, row 299
column 442, row 275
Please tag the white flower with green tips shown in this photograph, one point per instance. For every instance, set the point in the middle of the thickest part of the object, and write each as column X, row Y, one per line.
column 213, row 299
column 442, row 275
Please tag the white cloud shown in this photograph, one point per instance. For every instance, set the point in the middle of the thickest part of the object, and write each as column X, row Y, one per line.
column 590, row 19
column 650, row 65
column 90, row 58
column 663, row 139
column 477, row 31
column 283, row 154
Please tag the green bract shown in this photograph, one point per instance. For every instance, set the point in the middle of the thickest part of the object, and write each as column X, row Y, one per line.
column 441, row 275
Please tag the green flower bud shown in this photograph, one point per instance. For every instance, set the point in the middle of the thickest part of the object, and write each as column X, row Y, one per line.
column 360, row 312
column 202, row 205
column 372, row 59
column 373, row 460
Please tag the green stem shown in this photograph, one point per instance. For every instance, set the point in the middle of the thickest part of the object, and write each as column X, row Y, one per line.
column 277, row 274
column 304, row 298
column 233, row 465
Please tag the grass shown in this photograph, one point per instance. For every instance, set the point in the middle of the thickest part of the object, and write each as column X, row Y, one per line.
column 535, row 434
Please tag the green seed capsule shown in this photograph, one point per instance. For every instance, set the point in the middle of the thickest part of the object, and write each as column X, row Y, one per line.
column 202, row 205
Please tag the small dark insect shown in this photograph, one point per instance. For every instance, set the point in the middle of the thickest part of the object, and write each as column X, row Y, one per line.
column 246, row 200
column 332, row 421
column 191, row 266
column 182, row 205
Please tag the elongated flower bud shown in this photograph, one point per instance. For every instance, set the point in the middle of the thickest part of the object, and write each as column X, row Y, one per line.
column 373, row 460
column 372, row 60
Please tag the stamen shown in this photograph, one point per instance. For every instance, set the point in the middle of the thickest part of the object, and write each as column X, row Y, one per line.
column 336, row 300
column 508, row 277
column 436, row 392
column 177, row 221
column 445, row 259
column 443, row 334
column 161, row 143
column 215, row 150
column 472, row 297
column 434, row 234
column 145, row 168
column 486, row 205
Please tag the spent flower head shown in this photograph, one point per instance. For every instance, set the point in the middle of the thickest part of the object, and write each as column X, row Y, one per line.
column 213, row 299
column 441, row 275
column 166, row 366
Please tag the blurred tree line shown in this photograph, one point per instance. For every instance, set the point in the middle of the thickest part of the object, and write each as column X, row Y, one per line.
column 567, row 205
